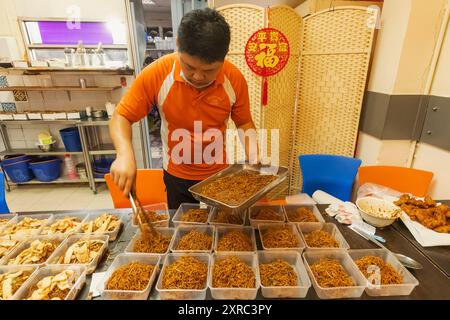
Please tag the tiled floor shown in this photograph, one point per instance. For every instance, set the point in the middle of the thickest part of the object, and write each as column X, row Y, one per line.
column 57, row 197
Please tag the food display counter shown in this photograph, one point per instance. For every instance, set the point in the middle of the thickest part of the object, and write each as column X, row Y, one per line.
column 433, row 280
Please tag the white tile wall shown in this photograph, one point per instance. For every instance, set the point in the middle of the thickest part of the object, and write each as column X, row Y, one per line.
column 35, row 97
column 107, row 81
column 22, row 106
column 11, row 125
column 16, row 135
column 18, row 144
column 31, row 81
column 6, row 96
column 2, row 145
column 31, row 134
column 15, row 80
column 31, row 143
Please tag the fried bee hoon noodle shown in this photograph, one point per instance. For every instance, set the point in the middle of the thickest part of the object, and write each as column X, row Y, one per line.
column 320, row 239
column 301, row 215
column 195, row 240
column 388, row 274
column 228, row 217
column 152, row 243
column 133, row 276
column 235, row 240
column 185, row 273
column 232, row 272
column 195, row 215
column 277, row 274
column 280, row 237
column 235, row 188
column 329, row 273
column 267, row 214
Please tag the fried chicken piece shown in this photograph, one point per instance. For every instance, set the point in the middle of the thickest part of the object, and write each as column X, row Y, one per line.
column 431, row 218
column 443, row 229
column 404, row 199
column 430, row 202
column 412, row 214
column 407, row 208
column 444, row 209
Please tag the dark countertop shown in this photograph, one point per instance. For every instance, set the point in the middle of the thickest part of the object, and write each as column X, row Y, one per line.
column 434, row 283
column 440, row 256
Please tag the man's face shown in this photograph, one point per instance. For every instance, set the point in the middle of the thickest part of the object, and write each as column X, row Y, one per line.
column 198, row 72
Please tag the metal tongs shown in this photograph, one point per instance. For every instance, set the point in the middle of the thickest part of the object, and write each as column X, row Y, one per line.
column 138, row 210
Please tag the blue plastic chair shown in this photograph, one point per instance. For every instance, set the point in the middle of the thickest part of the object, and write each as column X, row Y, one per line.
column 332, row 174
column 3, row 206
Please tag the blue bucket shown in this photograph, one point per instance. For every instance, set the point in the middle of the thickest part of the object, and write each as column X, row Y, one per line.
column 71, row 139
column 19, row 172
column 13, row 158
column 103, row 165
column 46, row 169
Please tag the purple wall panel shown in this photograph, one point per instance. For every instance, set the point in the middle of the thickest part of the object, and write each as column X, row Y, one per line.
column 57, row 32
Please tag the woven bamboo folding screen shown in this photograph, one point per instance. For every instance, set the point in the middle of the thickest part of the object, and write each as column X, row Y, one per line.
column 334, row 62
column 315, row 101
column 279, row 111
column 244, row 20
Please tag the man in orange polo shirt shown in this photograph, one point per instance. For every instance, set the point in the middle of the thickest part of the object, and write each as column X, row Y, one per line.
column 196, row 91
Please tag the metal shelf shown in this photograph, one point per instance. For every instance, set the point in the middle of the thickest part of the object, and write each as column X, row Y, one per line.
column 156, row 50
column 99, row 180
column 103, row 149
column 22, row 88
column 81, row 122
column 57, row 152
column 37, row 70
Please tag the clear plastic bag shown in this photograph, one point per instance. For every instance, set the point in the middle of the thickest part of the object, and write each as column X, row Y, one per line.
column 377, row 191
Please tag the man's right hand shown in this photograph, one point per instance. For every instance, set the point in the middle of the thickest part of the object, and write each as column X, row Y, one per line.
column 123, row 172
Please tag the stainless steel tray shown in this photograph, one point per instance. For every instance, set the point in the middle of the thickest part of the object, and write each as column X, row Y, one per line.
column 281, row 174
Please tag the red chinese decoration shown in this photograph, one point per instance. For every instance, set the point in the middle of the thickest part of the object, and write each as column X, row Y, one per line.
column 267, row 53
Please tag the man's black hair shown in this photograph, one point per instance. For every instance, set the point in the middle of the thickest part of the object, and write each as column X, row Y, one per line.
column 204, row 34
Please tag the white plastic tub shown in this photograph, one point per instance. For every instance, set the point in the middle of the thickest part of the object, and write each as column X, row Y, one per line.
column 255, row 209
column 4, row 257
column 182, row 294
column 12, row 218
column 66, row 244
column 331, row 228
column 264, row 227
column 215, row 212
column 313, row 208
column 124, row 259
column 184, row 230
column 164, row 231
column 311, row 257
column 25, row 291
column 81, row 216
column 294, row 259
column 27, row 243
column 251, row 260
column 159, row 209
column 112, row 234
column 403, row 289
column 25, row 234
column 185, row 207
column 14, row 269
column 221, row 231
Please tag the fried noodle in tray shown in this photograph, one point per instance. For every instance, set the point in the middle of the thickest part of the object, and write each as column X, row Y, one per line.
column 239, row 186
